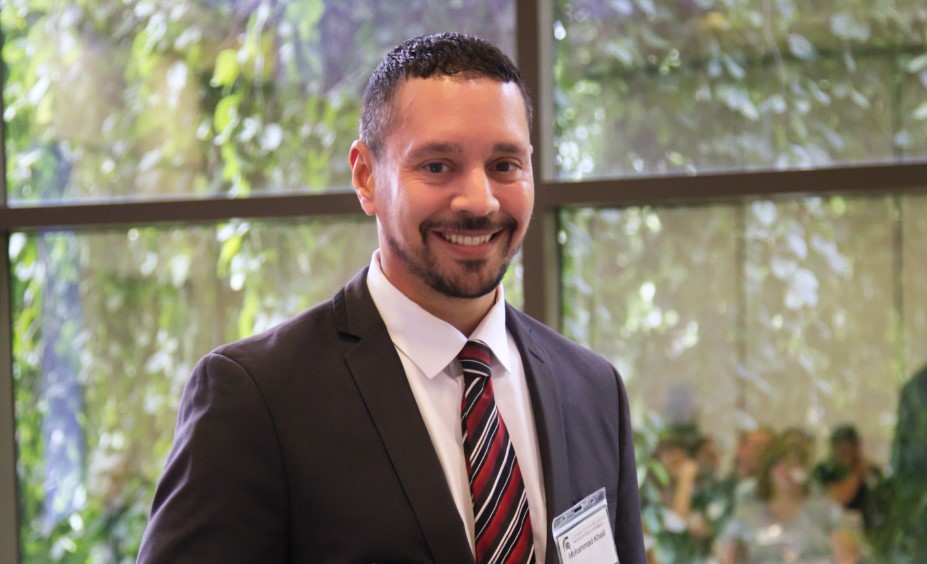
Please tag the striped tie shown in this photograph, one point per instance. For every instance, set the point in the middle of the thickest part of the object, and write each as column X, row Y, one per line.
column 500, row 506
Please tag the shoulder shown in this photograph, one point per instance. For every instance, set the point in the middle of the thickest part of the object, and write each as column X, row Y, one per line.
column 292, row 336
column 751, row 510
column 322, row 331
column 829, row 472
column 581, row 376
column 825, row 511
column 555, row 345
column 749, row 515
column 266, row 364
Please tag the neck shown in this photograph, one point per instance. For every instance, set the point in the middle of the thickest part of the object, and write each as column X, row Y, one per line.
column 465, row 314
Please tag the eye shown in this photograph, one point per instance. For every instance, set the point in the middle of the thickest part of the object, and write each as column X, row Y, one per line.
column 506, row 166
column 436, row 168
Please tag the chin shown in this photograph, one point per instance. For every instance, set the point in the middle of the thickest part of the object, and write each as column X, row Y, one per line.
column 457, row 287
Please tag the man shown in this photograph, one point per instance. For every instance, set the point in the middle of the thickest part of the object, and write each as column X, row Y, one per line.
column 344, row 435
column 847, row 476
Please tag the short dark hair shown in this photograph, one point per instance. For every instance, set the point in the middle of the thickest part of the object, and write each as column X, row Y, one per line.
column 844, row 433
column 426, row 56
column 792, row 443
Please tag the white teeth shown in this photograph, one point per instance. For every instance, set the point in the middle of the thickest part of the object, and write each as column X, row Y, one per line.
column 467, row 240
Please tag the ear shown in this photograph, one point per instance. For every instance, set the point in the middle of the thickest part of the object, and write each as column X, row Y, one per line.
column 362, row 163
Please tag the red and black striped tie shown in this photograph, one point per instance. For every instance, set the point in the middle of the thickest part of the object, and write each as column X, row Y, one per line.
column 500, row 506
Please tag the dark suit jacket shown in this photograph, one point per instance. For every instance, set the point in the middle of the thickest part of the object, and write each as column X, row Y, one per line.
column 305, row 444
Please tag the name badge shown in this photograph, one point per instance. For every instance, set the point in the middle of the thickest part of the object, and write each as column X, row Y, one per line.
column 582, row 532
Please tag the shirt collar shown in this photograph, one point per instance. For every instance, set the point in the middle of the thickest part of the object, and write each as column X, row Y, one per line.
column 432, row 343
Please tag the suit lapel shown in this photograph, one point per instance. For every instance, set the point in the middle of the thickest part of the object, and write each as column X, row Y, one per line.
column 549, row 420
column 381, row 380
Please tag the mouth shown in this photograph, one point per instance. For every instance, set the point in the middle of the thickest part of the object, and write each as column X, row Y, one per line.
column 467, row 240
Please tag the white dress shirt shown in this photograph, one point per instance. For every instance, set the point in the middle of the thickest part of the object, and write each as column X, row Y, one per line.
column 428, row 348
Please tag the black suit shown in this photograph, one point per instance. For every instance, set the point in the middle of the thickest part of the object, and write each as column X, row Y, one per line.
column 305, row 444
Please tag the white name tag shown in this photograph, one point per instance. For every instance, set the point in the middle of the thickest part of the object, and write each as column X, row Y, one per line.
column 583, row 534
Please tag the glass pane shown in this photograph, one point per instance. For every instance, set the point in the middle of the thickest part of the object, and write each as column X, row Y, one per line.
column 118, row 99
column 644, row 88
column 805, row 313
column 107, row 328
column 914, row 267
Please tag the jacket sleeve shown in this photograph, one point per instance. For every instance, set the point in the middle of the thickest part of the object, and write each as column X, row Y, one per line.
column 222, row 496
column 629, row 537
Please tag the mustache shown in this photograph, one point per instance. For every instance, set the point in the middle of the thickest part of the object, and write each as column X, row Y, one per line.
column 468, row 223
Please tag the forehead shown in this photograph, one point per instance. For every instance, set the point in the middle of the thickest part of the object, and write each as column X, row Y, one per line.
column 456, row 106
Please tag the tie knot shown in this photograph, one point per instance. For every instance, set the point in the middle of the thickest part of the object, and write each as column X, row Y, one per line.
column 476, row 359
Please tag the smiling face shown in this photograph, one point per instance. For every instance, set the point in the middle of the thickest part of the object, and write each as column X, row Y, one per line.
column 452, row 189
column 785, row 466
column 789, row 476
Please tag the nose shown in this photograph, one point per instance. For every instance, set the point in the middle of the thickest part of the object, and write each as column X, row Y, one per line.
column 475, row 195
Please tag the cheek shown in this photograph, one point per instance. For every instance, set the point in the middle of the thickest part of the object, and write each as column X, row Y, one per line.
column 529, row 204
column 408, row 213
column 518, row 203
column 779, row 472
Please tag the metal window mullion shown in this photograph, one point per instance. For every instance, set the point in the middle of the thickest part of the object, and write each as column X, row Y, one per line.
column 9, row 515
column 9, row 512
column 540, row 256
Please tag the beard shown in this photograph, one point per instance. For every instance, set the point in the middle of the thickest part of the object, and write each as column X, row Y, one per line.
column 475, row 279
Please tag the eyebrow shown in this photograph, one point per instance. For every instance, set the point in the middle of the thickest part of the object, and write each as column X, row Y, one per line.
column 436, row 148
column 439, row 148
column 509, row 148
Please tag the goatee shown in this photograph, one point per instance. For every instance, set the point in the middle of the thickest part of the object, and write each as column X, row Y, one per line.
column 473, row 282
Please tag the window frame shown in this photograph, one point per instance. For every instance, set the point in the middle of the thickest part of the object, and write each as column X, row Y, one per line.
column 534, row 46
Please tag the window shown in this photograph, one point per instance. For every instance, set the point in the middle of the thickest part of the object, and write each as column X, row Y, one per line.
column 645, row 88
column 734, row 315
column 146, row 100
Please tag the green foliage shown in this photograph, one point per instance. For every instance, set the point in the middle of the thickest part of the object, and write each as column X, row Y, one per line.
column 685, row 87
column 153, row 99
column 783, row 310
column 779, row 313
column 130, row 312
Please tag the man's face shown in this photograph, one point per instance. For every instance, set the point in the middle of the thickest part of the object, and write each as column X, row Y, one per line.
column 750, row 450
column 453, row 189
column 846, row 453
column 789, row 474
column 672, row 459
